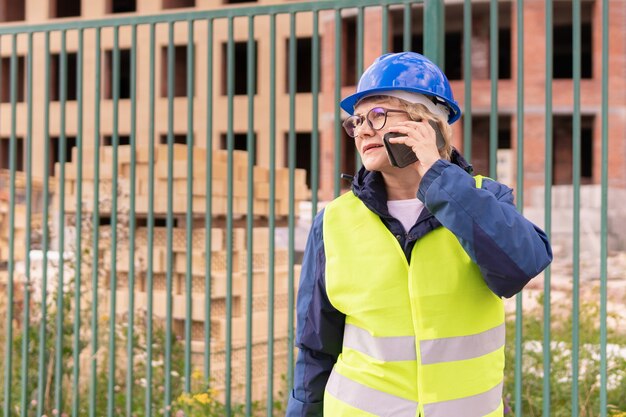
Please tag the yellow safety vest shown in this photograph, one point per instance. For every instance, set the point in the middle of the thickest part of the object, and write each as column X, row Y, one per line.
column 421, row 339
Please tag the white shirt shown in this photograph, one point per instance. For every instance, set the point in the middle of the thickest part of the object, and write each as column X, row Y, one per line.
column 407, row 211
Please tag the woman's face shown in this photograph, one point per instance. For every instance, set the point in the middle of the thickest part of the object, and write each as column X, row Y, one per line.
column 369, row 142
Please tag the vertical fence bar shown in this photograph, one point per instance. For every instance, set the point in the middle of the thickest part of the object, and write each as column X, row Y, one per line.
column 113, row 273
column 338, row 135
column 467, row 78
column 519, row 318
column 10, row 285
column 493, row 70
column 251, row 147
column 576, row 72
column 548, row 210
column 291, row 218
column 150, row 243
column 42, row 360
column 79, row 218
column 58, row 365
column 230, row 144
column 7, row 376
column 359, row 42
column 604, row 207
column 359, row 64
column 167, row 398
column 384, row 16
column 272, row 219
column 93, row 371
column 406, row 21
column 29, row 207
column 12, row 197
column 208, row 219
column 189, row 217
column 130, row 344
column 315, row 88
column 434, row 32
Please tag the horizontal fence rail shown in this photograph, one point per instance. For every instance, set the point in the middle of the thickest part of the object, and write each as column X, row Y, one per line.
column 162, row 172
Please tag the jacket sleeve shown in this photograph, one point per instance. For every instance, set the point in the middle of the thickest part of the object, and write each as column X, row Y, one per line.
column 319, row 332
column 508, row 248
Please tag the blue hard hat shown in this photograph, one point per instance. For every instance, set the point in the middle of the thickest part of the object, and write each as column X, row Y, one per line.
column 406, row 71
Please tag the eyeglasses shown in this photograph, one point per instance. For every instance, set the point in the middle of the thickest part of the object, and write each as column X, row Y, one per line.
column 376, row 119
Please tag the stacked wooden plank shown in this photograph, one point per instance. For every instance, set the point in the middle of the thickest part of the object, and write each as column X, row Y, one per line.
column 176, row 171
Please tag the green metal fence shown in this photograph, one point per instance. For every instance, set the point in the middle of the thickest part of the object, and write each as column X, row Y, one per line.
column 67, row 348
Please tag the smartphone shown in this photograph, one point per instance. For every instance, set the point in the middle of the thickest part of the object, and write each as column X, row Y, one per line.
column 401, row 155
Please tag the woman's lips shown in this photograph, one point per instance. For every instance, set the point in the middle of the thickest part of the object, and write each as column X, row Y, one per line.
column 371, row 146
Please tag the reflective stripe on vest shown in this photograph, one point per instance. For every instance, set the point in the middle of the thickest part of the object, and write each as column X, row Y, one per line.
column 462, row 347
column 402, row 348
column 475, row 406
column 441, row 343
column 399, row 348
column 382, row 404
column 369, row 399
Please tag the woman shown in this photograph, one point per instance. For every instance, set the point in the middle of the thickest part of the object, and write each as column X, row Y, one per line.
column 400, row 308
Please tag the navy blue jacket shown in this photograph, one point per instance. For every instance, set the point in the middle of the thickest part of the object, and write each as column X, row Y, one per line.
column 508, row 248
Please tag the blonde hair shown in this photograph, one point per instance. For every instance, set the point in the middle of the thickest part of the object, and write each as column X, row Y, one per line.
column 420, row 112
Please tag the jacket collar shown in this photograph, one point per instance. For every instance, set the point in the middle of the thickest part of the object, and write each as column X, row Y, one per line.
column 369, row 186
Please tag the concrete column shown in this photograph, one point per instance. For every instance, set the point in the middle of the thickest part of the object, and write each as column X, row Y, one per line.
column 37, row 10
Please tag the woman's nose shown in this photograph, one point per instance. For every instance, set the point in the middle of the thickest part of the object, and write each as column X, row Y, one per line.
column 363, row 129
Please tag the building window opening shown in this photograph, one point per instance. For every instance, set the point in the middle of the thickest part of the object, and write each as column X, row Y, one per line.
column 121, row 140
column 304, row 74
column 563, row 150
column 241, row 64
column 303, row 153
column 55, row 155
column 124, row 74
column 70, row 80
column 12, row 11
column 453, row 59
column 176, row 4
column 5, row 153
column 6, row 79
column 480, row 141
column 348, row 65
column 563, row 49
column 121, row 6
column 240, row 142
column 64, row 8
column 180, row 71
column 416, row 36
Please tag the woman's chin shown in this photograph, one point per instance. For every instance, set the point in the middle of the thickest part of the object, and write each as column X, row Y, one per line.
column 375, row 163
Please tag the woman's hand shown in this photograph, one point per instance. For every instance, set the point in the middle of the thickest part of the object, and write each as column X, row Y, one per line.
column 421, row 138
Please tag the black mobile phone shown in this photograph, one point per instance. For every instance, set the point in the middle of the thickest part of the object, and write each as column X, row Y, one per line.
column 401, row 155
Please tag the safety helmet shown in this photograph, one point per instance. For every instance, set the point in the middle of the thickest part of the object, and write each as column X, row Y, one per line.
column 405, row 71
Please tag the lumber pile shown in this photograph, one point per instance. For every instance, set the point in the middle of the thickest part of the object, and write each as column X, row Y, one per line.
column 180, row 181
column 189, row 269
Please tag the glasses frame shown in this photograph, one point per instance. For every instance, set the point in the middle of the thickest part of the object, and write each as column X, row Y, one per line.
column 361, row 118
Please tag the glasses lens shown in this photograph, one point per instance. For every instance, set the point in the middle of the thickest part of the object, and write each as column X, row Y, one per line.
column 350, row 124
column 377, row 118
